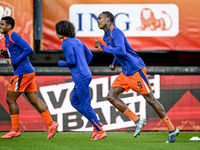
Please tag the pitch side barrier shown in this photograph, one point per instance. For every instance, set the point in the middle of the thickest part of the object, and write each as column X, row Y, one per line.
column 177, row 88
column 104, row 70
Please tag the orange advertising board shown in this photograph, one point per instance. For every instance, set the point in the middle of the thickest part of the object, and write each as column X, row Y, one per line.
column 22, row 12
column 181, row 102
column 148, row 24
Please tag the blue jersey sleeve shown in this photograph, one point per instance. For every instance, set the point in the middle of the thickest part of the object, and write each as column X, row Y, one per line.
column 27, row 50
column 69, row 55
column 115, row 62
column 88, row 54
column 119, row 46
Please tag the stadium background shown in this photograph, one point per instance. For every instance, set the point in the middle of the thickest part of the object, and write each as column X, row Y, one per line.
column 172, row 60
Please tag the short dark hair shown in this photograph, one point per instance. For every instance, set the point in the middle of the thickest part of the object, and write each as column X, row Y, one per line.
column 65, row 28
column 109, row 15
column 9, row 20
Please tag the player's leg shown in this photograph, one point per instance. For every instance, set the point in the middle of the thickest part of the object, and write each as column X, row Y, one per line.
column 77, row 105
column 75, row 102
column 11, row 101
column 81, row 100
column 30, row 91
column 113, row 98
column 36, row 101
column 156, row 105
column 98, row 132
column 14, row 114
column 137, row 83
column 159, row 109
column 120, row 105
column 13, row 93
column 118, row 86
column 42, row 108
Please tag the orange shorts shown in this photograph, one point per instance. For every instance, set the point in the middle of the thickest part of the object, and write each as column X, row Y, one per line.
column 138, row 82
column 23, row 83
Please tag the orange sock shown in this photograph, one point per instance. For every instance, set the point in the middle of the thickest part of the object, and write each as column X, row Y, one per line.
column 130, row 114
column 47, row 117
column 15, row 122
column 168, row 123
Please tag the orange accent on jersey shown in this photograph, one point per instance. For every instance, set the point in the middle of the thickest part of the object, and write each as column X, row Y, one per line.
column 109, row 40
column 134, row 82
column 111, row 28
column 10, row 33
column 23, row 83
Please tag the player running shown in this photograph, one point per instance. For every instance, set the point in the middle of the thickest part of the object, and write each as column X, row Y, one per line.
column 133, row 75
column 23, row 80
column 78, row 57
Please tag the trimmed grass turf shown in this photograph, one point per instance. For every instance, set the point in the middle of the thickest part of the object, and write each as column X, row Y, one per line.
column 114, row 141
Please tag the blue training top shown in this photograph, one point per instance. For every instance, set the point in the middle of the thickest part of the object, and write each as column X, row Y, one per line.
column 18, row 51
column 78, row 57
column 118, row 45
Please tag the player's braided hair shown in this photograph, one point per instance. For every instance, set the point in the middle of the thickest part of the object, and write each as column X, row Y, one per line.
column 109, row 15
column 9, row 20
column 65, row 28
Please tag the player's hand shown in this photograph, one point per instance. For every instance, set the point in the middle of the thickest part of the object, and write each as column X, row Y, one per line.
column 97, row 43
column 112, row 67
column 9, row 61
column 1, row 52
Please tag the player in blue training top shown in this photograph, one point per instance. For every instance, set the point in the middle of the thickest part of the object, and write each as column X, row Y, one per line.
column 133, row 75
column 23, row 80
column 78, row 57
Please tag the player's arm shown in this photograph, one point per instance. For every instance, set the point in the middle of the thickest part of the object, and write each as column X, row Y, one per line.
column 69, row 56
column 119, row 48
column 27, row 50
column 114, row 64
column 9, row 61
column 88, row 54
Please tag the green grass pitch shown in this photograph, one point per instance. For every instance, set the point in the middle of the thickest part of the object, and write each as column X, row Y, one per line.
column 114, row 141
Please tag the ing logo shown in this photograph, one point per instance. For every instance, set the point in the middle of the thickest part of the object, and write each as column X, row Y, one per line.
column 6, row 9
